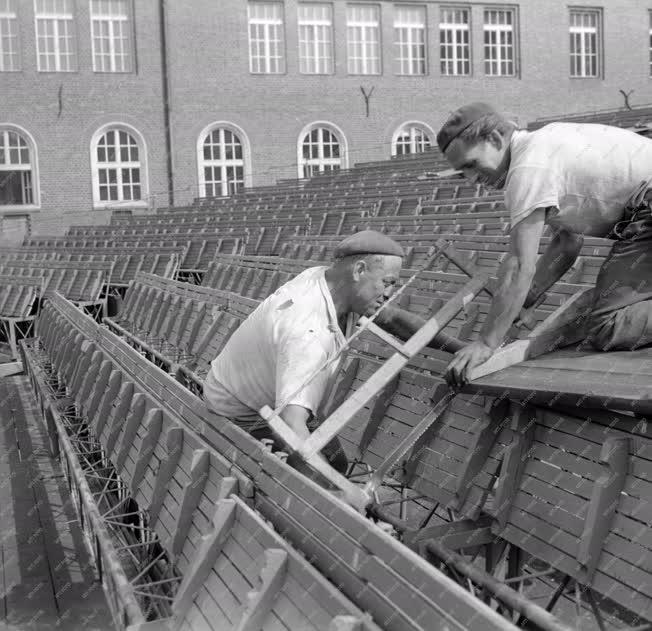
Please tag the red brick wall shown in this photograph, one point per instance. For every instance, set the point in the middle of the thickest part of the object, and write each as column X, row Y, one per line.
column 210, row 81
column 30, row 99
column 210, row 62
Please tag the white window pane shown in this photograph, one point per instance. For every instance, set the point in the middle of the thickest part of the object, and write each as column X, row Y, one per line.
column 266, row 37
column 222, row 167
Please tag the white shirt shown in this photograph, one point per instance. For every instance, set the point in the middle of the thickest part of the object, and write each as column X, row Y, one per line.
column 285, row 340
column 587, row 171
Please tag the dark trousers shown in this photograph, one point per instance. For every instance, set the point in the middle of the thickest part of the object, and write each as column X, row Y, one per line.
column 622, row 312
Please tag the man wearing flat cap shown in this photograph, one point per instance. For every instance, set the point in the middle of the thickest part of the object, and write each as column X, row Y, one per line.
column 581, row 179
column 293, row 332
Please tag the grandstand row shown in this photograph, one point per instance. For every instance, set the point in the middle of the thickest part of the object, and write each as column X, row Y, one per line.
column 525, row 505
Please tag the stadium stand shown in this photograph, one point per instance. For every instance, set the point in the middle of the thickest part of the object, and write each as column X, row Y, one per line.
column 528, row 501
column 638, row 119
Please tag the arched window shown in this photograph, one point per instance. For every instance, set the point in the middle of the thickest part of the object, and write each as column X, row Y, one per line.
column 221, row 162
column 411, row 138
column 118, row 158
column 18, row 179
column 321, row 148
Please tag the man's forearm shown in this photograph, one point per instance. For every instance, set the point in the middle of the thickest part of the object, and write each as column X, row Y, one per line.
column 557, row 259
column 513, row 288
column 404, row 325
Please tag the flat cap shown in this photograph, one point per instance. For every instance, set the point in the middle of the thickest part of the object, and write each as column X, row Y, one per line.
column 459, row 120
column 367, row 242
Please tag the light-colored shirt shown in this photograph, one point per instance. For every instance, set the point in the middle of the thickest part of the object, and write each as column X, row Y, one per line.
column 588, row 172
column 286, row 339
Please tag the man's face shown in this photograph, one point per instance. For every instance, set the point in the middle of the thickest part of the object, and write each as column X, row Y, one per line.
column 374, row 279
column 482, row 162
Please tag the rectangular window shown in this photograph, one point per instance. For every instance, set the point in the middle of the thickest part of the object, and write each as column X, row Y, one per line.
column 363, row 38
column 410, row 40
column 584, row 43
column 9, row 59
column 315, row 39
column 55, row 36
column 499, row 43
column 111, row 35
column 266, row 38
column 455, row 41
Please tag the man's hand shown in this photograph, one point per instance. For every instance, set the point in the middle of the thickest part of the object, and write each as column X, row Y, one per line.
column 464, row 360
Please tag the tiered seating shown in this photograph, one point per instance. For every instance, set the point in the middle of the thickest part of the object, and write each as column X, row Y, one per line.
column 179, row 323
column 483, row 250
column 635, row 118
column 83, row 283
column 188, row 492
column 18, row 308
column 458, row 465
column 528, row 484
column 199, row 248
column 127, row 261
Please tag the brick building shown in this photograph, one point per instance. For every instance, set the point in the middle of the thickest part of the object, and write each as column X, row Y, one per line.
column 262, row 90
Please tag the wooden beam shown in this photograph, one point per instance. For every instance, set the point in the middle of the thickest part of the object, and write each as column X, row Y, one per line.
column 173, row 447
column 334, row 424
column 10, row 368
column 522, row 425
column 208, row 550
column 191, row 498
column 377, row 414
column 605, row 500
column 476, row 456
column 116, row 390
column 260, row 602
column 564, row 326
column 538, row 615
column 153, row 426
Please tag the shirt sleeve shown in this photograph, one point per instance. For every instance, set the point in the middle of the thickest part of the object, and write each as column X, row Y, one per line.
column 299, row 358
column 529, row 188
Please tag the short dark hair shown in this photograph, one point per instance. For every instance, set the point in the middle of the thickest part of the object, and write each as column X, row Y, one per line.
column 482, row 128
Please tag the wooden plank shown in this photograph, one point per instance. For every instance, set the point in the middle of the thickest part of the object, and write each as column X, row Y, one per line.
column 210, row 547
column 261, row 601
column 564, row 326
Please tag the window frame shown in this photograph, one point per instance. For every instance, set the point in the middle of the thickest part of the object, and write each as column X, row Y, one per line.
column 15, row 17
column 515, row 40
column 246, row 152
column 282, row 69
column 410, row 124
column 469, row 13
column 34, row 162
column 649, row 40
column 599, row 46
column 143, row 202
column 398, row 60
column 379, row 30
column 331, row 40
column 74, row 38
column 333, row 129
column 131, row 40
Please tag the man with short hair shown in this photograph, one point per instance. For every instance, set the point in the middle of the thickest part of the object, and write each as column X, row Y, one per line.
column 581, row 179
column 295, row 331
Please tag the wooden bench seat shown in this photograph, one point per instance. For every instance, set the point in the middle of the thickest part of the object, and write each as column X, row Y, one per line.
column 419, row 595
column 247, row 574
column 128, row 262
column 179, row 322
column 80, row 282
column 19, row 302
